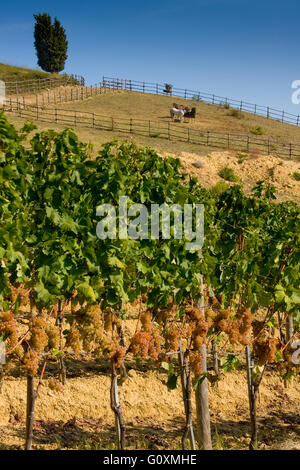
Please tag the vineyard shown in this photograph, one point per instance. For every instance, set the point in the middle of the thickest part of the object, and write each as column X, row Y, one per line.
column 67, row 295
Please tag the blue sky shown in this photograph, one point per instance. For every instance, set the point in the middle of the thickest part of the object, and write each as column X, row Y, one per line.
column 236, row 48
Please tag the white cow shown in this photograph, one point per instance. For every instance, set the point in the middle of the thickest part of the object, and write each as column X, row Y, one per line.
column 179, row 113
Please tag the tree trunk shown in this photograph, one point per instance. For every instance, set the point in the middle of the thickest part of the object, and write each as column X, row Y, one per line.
column 31, row 397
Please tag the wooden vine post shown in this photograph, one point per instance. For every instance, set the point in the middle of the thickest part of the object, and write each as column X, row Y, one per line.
column 289, row 333
column 31, row 397
column 186, row 393
column 61, row 362
column 115, row 406
column 202, row 395
column 252, row 394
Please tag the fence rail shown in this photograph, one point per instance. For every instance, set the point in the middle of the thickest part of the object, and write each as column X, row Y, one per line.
column 159, row 89
column 165, row 130
column 36, row 85
column 61, row 95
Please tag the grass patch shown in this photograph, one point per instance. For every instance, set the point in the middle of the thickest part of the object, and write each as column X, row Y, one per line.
column 296, row 176
column 257, row 131
column 219, row 188
column 228, row 175
column 11, row 73
column 236, row 113
column 241, row 157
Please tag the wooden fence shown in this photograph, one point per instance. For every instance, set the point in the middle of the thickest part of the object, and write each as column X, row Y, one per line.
column 59, row 95
column 36, row 85
column 159, row 89
column 156, row 129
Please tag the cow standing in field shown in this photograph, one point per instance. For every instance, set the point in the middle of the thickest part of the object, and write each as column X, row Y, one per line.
column 177, row 112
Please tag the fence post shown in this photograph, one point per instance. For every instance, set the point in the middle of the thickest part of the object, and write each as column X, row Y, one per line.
column 241, row 107
column 112, row 124
column 75, row 119
column 207, row 139
column 37, row 106
column 282, row 116
column 149, row 127
column 255, row 109
column 298, row 120
column 268, row 112
column 143, row 87
column 268, row 146
column 290, row 150
column 213, row 99
column 55, row 115
column 169, row 136
column 130, row 126
column 185, row 94
column 93, row 119
column 188, row 138
column 228, row 141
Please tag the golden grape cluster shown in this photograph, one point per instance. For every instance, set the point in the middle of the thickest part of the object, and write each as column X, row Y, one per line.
column 147, row 341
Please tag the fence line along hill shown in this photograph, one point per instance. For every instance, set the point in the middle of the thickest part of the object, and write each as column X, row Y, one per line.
column 241, row 105
column 156, row 129
column 35, row 86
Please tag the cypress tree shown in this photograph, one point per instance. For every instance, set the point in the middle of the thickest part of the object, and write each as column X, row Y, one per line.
column 50, row 42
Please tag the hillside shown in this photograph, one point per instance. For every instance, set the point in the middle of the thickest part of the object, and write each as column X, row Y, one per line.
column 249, row 167
column 11, row 73
column 125, row 104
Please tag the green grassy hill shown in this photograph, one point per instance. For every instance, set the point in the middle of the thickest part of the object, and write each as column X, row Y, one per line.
column 11, row 73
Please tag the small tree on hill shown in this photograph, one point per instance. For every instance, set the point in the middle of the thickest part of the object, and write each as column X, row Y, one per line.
column 50, row 42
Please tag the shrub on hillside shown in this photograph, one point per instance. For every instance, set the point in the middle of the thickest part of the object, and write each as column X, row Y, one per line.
column 296, row 176
column 219, row 188
column 228, row 174
column 236, row 113
column 241, row 157
column 257, row 131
